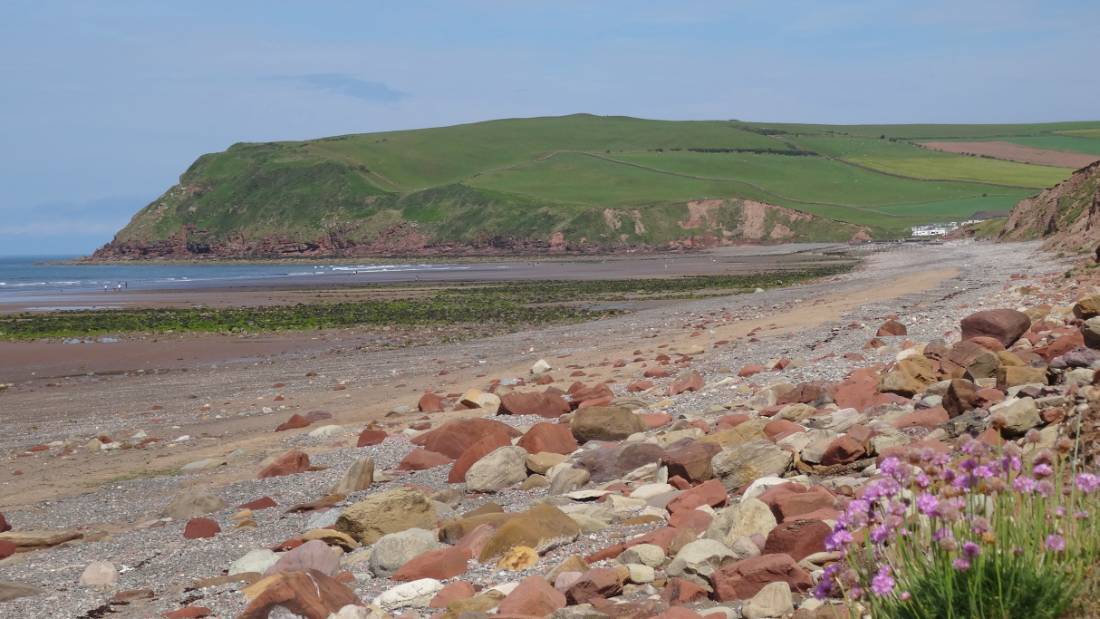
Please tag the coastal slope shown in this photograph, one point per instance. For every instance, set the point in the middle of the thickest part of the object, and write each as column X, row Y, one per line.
column 579, row 183
column 1066, row 216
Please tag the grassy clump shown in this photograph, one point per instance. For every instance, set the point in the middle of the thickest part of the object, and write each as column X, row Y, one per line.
column 983, row 536
column 507, row 305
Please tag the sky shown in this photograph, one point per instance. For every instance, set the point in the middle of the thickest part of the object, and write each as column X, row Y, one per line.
column 104, row 104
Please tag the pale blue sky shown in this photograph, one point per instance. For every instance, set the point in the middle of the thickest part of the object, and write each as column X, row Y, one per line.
column 103, row 104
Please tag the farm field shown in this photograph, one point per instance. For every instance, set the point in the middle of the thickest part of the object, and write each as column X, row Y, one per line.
column 518, row 183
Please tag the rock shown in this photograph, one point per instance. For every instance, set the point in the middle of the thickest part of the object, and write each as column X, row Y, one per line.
column 697, row 560
column 257, row 561
column 546, row 404
column 455, row 437
column 605, row 423
column 474, row 453
column 645, row 554
column 415, row 594
column 691, row 461
column 358, row 477
column 201, row 528
column 394, row 550
column 370, row 436
column 326, row 431
column 37, row 540
column 331, row 537
column 750, row 370
column 543, row 461
column 568, row 479
column 540, row 367
column 745, row 578
column 191, row 503
column 709, row 493
column 518, row 558
column 1018, row 416
column 1004, row 325
column 188, row 612
column 311, row 594
column 842, row 450
column 1090, row 330
column 640, row 574
column 533, row 597
column 421, row 459
column 202, row 465
column 296, row 421
column 1013, row 375
column 909, row 377
column 891, row 327
column 387, row 512
column 457, row 590
column 922, row 418
column 745, row 519
column 791, row 500
column 798, row 538
column 542, row 527
column 774, row 600
column 500, row 469
column 548, row 438
column 13, row 591
column 430, row 403
column 607, row 463
column 961, row 396
column 441, row 563
column 475, row 398
column 289, row 463
column 597, row 582
column 1087, row 307
column 4, row 526
column 99, row 574
column 313, row 555
column 741, row 466
column 693, row 381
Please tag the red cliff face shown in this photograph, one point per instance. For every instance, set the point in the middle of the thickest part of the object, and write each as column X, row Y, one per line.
column 1066, row 216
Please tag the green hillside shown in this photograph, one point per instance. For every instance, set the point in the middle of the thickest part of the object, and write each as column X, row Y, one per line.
column 580, row 182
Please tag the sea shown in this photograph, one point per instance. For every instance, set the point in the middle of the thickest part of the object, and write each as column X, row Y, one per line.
column 41, row 278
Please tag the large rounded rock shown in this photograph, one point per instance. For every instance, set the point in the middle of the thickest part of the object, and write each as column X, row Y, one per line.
column 455, row 437
column 745, row 578
column 548, row 437
column 387, row 512
column 1003, row 325
column 503, row 467
column 1087, row 307
column 746, row 463
column 1090, row 330
column 697, row 560
column 605, row 423
column 542, row 527
column 256, row 561
column 910, row 376
column 747, row 518
column 392, row 551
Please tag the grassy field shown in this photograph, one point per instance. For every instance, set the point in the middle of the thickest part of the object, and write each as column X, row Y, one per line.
column 527, row 179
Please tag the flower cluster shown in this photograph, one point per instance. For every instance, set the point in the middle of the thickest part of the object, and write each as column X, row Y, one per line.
column 932, row 515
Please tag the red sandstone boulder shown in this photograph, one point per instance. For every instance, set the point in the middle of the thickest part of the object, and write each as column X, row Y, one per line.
column 457, row 590
column 691, row 461
column 710, row 492
column 791, row 500
column 547, row 404
column 442, row 563
column 311, row 594
column 743, row 579
column 200, row 528
column 1003, row 325
column 549, row 437
column 750, row 370
column 264, row 502
column 891, row 327
column 430, row 403
column 692, row 381
column 639, row 385
column 533, row 597
column 797, row 538
column 421, row 459
column 923, row 418
column 597, row 582
column 7, row 549
column 475, row 452
column 289, row 463
column 455, row 437
column 843, row 450
column 296, row 421
column 4, row 526
column 370, row 437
